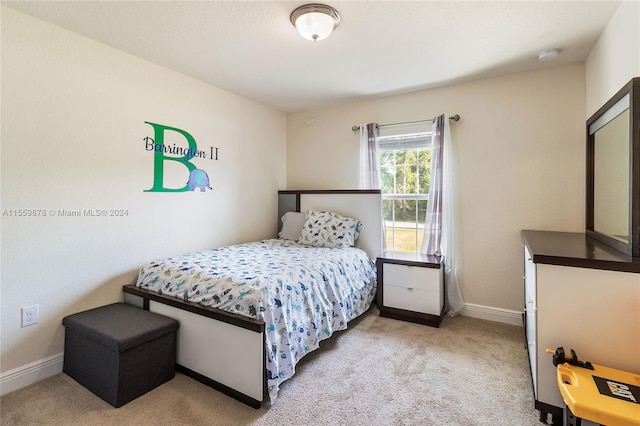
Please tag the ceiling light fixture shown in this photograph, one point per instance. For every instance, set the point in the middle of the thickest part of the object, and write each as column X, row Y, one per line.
column 315, row 21
column 548, row 55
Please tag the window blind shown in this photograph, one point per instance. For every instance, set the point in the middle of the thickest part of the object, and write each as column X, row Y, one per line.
column 406, row 136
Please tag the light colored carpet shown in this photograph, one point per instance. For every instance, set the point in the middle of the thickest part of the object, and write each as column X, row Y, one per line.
column 378, row 372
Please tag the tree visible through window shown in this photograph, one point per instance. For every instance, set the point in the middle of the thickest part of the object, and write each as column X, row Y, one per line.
column 405, row 162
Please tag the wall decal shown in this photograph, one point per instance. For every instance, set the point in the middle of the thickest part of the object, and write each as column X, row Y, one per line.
column 194, row 177
column 198, row 179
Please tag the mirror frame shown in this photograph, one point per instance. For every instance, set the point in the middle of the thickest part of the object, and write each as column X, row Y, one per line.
column 632, row 248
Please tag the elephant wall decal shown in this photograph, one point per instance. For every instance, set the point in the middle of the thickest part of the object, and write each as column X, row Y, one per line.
column 198, row 178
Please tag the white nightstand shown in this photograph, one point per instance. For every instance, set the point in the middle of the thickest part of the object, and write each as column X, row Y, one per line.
column 411, row 287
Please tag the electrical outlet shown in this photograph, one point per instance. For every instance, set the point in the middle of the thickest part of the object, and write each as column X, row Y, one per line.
column 30, row 315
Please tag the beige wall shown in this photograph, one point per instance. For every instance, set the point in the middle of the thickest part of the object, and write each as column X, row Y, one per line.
column 520, row 157
column 73, row 115
column 73, row 123
column 615, row 59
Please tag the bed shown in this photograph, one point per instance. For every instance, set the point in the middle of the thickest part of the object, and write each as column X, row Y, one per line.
column 248, row 313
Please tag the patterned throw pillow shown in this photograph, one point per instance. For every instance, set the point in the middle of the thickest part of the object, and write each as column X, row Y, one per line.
column 328, row 229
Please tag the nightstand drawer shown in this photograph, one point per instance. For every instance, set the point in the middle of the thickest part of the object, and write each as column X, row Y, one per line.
column 415, row 277
column 416, row 300
column 410, row 287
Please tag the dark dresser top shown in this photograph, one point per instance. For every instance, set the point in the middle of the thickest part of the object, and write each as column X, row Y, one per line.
column 411, row 259
column 576, row 249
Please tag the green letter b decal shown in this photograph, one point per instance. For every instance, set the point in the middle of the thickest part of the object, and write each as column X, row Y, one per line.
column 159, row 157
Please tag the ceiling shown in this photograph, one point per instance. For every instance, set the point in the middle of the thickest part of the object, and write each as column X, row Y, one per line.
column 380, row 47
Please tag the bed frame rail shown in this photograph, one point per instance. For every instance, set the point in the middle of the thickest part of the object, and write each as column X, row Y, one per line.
column 234, row 345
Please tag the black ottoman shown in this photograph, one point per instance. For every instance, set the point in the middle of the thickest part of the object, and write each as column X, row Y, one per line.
column 119, row 351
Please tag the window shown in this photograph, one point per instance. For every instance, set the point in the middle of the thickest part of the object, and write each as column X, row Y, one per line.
column 405, row 163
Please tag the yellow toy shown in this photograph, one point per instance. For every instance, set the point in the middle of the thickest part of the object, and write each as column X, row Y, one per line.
column 596, row 393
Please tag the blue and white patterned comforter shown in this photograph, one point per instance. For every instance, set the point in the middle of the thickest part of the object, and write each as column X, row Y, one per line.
column 303, row 294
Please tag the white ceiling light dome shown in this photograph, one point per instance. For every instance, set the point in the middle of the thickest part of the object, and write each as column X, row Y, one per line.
column 315, row 21
column 548, row 55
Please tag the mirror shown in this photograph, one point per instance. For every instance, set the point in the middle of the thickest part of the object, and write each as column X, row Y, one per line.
column 613, row 171
column 611, row 178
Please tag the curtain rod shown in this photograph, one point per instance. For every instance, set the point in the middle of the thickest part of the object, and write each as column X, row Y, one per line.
column 455, row 117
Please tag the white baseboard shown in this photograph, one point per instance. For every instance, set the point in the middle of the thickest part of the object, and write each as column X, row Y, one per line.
column 489, row 313
column 29, row 374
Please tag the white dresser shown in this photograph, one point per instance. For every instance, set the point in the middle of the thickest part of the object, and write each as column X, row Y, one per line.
column 411, row 287
column 581, row 295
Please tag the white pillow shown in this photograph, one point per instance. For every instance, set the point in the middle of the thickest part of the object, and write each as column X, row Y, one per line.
column 328, row 229
column 292, row 223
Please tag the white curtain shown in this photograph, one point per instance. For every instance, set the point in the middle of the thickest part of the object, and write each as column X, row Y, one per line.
column 369, row 157
column 439, row 228
column 370, row 165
